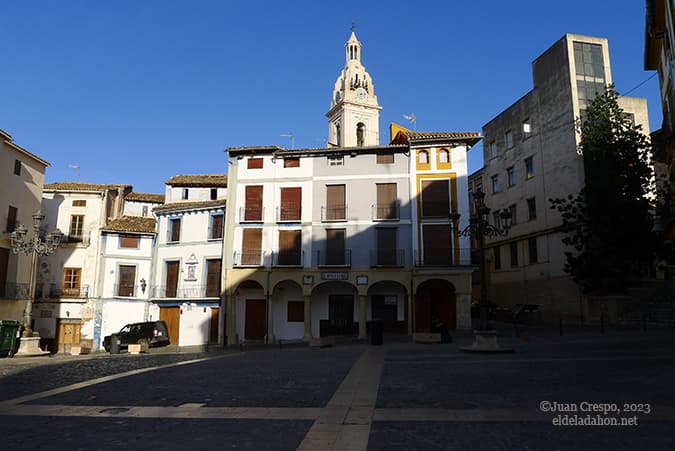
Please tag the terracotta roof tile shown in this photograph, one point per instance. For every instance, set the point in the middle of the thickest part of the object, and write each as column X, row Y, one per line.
column 145, row 197
column 203, row 180
column 82, row 186
column 182, row 206
column 134, row 224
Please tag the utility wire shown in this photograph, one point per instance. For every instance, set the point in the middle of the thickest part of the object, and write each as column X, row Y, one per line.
column 640, row 84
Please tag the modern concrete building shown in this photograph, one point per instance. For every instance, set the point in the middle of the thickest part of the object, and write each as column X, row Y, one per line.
column 21, row 184
column 530, row 155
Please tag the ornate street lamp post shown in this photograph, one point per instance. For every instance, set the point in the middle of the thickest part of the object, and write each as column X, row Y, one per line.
column 479, row 227
column 33, row 246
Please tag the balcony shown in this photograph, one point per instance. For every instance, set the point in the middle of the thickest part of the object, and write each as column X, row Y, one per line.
column 82, row 239
column 129, row 290
column 288, row 259
column 289, row 212
column 252, row 259
column 15, row 291
column 188, row 292
column 80, row 292
column 442, row 258
column 334, row 213
column 333, row 259
column 251, row 214
column 387, row 257
column 385, row 212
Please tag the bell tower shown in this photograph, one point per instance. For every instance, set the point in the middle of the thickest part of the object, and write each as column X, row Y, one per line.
column 354, row 115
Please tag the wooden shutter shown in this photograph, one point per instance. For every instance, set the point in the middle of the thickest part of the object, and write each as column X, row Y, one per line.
column 386, row 246
column 11, row 219
column 255, row 163
column 213, row 277
column 253, row 206
column 291, row 199
column 127, row 280
column 291, row 162
column 216, row 227
column 335, row 246
column 175, row 230
column 289, row 247
column 335, row 202
column 386, row 201
column 385, row 158
column 129, row 241
column 251, row 247
column 435, row 198
column 171, row 279
column 437, row 244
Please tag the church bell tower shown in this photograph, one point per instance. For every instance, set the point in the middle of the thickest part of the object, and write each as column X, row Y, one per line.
column 354, row 115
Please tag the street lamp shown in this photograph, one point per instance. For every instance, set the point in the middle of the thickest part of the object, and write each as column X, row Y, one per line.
column 34, row 246
column 479, row 227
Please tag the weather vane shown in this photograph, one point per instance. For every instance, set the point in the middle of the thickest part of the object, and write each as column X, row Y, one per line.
column 353, row 26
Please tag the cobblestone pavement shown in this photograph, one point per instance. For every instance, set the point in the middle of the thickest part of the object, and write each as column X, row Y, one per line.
column 400, row 396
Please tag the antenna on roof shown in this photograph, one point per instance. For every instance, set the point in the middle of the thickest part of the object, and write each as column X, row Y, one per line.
column 290, row 135
column 411, row 117
column 77, row 168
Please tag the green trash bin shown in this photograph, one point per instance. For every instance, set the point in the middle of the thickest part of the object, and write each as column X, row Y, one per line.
column 8, row 331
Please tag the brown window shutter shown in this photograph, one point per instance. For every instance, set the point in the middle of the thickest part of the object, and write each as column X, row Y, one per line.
column 171, row 279
column 435, row 198
column 213, row 277
column 437, row 244
column 253, row 206
column 251, row 246
column 386, row 246
column 175, row 230
column 335, row 202
column 335, row 246
column 255, row 163
column 129, row 241
column 291, row 199
column 386, row 201
column 385, row 158
column 217, row 227
column 127, row 280
column 289, row 247
column 291, row 162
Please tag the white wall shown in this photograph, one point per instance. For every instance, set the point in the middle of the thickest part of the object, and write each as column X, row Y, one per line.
column 195, row 322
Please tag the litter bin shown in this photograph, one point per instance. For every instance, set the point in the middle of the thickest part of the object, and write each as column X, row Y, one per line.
column 114, row 344
column 8, row 330
column 376, row 332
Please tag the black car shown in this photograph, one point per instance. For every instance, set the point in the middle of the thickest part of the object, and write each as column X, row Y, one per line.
column 153, row 333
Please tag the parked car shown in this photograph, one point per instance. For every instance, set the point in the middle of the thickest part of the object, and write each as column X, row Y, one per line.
column 153, row 333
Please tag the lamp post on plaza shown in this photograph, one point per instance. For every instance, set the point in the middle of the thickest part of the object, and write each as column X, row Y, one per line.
column 479, row 227
column 33, row 246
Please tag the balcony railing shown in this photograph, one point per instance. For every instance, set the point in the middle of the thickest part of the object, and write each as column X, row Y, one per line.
column 15, row 291
column 444, row 258
column 334, row 213
column 288, row 259
column 385, row 212
column 289, row 212
column 253, row 258
column 56, row 291
column 188, row 292
column 251, row 214
column 82, row 239
column 387, row 257
column 340, row 259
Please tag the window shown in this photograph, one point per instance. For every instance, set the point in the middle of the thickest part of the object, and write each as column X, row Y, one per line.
column 71, row 281
column 360, row 132
column 493, row 149
column 512, row 210
column 532, row 249
column 443, row 156
column 336, row 160
column 386, row 247
column 214, row 194
column 174, row 230
column 527, row 128
column 508, row 139
column 386, row 201
column 255, row 163
column 296, row 312
column 435, row 198
column 291, row 199
column 291, row 162
column 127, row 280
column 437, row 244
column 589, row 72
column 497, row 257
column 531, row 208
column 251, row 247
column 216, row 232
column 80, row 203
column 76, row 227
column 17, row 167
column 529, row 168
column 423, row 157
column 171, row 287
column 213, row 277
column 336, row 254
column 129, row 241
column 184, row 194
column 336, row 210
column 511, row 176
column 253, row 209
column 495, row 183
column 145, row 211
column 290, row 248
column 385, row 158
column 11, row 219
column 514, row 254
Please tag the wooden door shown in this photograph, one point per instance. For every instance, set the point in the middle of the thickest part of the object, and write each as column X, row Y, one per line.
column 171, row 279
column 386, row 201
column 213, row 332
column 341, row 314
column 68, row 336
column 171, row 316
column 251, row 247
column 335, row 202
column 256, row 319
column 291, row 199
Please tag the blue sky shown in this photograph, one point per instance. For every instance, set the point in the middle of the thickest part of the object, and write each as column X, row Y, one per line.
column 136, row 91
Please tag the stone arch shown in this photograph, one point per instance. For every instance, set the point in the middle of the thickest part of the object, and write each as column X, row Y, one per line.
column 435, row 299
column 388, row 301
column 334, row 309
column 287, row 310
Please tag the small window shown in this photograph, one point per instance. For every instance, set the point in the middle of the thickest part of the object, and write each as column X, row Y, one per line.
column 11, row 219
column 529, row 168
column 512, row 210
column 514, row 254
column 174, row 230
column 423, row 157
column 508, row 139
column 511, row 176
column 216, row 227
column 214, row 193
column 76, row 228
column 497, row 257
column 129, row 241
column 79, row 203
column 385, row 158
column 17, row 167
column 531, row 208
column 527, row 128
column 336, row 160
column 443, row 156
column 185, row 194
column 493, row 149
column 255, row 163
column 296, row 312
column 532, row 249
column 291, row 162
column 495, row 183
column 145, row 210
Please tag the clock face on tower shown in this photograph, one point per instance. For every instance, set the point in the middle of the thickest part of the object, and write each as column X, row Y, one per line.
column 361, row 94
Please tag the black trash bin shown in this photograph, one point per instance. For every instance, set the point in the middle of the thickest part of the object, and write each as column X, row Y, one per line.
column 376, row 332
column 8, row 332
column 114, row 344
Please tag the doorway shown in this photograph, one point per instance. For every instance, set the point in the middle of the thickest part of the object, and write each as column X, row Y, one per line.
column 171, row 316
column 341, row 314
column 68, row 335
column 256, row 319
